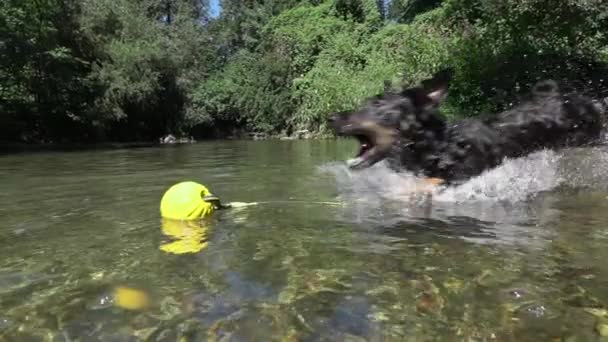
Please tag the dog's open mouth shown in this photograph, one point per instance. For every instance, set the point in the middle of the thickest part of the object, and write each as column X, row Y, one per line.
column 374, row 144
column 366, row 151
column 375, row 140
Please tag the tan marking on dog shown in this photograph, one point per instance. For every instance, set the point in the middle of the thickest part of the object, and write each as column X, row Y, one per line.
column 427, row 185
column 383, row 137
column 434, row 181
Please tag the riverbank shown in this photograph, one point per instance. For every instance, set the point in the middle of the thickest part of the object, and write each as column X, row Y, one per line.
column 168, row 140
column 303, row 134
column 297, row 135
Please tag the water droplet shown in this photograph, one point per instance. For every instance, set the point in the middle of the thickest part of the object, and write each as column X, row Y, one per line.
column 517, row 294
column 102, row 302
column 537, row 311
column 4, row 323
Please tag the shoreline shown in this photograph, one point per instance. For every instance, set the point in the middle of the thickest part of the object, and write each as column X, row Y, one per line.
column 167, row 141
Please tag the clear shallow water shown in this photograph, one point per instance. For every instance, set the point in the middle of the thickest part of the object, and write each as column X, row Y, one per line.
column 518, row 254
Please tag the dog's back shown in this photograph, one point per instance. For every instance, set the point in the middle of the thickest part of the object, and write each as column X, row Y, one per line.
column 549, row 119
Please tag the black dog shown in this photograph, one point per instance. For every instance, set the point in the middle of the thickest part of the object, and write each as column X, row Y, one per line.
column 407, row 130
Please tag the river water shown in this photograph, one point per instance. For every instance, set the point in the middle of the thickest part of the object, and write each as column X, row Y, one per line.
column 517, row 254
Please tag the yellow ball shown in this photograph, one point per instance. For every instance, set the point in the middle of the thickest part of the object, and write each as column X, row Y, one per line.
column 184, row 201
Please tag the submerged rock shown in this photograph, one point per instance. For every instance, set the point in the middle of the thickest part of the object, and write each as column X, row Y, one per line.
column 258, row 136
column 303, row 134
column 171, row 139
column 168, row 139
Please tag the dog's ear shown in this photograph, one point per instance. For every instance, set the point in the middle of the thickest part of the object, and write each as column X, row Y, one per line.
column 436, row 88
column 419, row 98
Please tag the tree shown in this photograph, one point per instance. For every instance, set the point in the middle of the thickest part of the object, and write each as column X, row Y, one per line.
column 44, row 66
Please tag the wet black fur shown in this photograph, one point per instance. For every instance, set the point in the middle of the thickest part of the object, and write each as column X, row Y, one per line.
column 429, row 146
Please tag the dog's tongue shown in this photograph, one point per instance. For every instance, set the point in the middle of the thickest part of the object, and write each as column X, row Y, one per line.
column 361, row 159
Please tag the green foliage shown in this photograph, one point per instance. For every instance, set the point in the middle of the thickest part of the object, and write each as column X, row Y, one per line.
column 43, row 83
column 149, row 65
column 405, row 11
column 251, row 92
column 81, row 70
column 302, row 33
column 355, row 64
column 508, row 45
column 339, row 52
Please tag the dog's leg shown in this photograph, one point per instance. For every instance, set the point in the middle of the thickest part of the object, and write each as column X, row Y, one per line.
column 425, row 189
column 428, row 184
column 434, row 181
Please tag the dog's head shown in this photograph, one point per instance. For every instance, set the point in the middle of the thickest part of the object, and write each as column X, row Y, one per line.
column 393, row 118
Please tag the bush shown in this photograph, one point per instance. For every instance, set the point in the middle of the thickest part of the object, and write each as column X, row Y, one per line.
column 509, row 45
column 130, row 70
column 354, row 66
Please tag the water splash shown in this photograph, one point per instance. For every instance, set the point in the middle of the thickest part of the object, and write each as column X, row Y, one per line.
column 585, row 168
column 515, row 180
column 509, row 203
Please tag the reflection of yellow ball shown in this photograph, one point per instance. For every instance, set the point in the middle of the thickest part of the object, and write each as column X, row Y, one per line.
column 131, row 299
column 187, row 236
column 184, row 201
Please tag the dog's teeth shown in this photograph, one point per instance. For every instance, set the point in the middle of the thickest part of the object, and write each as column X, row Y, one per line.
column 354, row 162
